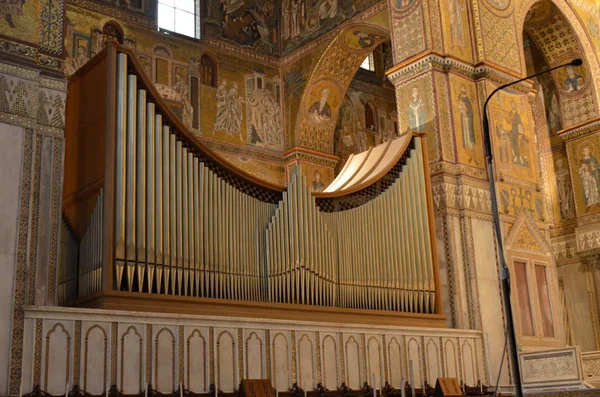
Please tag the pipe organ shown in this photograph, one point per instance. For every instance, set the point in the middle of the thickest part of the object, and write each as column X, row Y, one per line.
column 150, row 212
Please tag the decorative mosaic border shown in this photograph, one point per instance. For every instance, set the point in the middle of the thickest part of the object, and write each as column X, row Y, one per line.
column 433, row 61
column 18, row 322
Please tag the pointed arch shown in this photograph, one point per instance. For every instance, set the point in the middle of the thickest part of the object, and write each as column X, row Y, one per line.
column 546, row 21
column 328, row 83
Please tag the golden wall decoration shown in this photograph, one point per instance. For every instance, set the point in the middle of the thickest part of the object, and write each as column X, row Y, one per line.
column 588, row 13
column 513, row 136
column 16, row 19
column 37, row 370
column 467, row 121
column 256, row 90
column 328, row 82
column 408, row 28
column 240, row 354
column 585, row 171
column 416, row 106
column 499, row 36
column 148, row 374
column 456, row 27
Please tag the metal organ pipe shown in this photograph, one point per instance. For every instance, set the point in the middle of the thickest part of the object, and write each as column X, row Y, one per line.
column 182, row 229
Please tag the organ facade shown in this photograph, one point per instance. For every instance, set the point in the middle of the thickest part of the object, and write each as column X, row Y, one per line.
column 200, row 192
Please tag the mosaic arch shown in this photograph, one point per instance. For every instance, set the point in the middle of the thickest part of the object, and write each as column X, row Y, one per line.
column 560, row 36
column 328, row 82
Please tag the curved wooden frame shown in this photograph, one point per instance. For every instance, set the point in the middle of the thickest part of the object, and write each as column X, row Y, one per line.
column 106, row 176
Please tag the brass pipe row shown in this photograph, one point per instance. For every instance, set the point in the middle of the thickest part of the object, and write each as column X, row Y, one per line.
column 382, row 246
column 90, row 253
column 182, row 230
column 300, row 259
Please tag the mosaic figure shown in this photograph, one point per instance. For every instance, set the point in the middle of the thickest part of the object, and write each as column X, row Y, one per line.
column 589, row 172
column 574, row 81
column 563, row 188
column 416, row 112
column 229, row 109
column 518, row 140
column 317, row 185
column 466, row 119
column 503, row 139
column 457, row 9
column 320, row 111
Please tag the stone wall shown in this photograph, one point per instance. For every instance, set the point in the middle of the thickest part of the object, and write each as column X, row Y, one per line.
column 95, row 348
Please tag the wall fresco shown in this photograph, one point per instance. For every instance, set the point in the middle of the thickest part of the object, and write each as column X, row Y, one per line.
column 585, row 170
column 16, row 17
column 467, row 121
column 352, row 132
column 512, row 129
column 563, row 187
column 408, row 27
column 455, row 26
column 268, row 171
column 415, row 103
column 305, row 20
column 239, row 107
column 247, row 23
column 295, row 78
column 588, row 12
column 545, row 25
column 331, row 77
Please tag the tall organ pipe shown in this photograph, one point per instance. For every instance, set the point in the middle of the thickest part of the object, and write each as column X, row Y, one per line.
column 182, row 229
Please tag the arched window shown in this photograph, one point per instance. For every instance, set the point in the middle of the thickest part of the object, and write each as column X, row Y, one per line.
column 371, row 118
column 209, row 71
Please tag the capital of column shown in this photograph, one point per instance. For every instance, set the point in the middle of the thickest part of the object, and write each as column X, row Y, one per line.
column 434, row 61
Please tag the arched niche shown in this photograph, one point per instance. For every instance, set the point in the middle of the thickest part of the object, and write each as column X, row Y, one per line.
column 551, row 29
column 208, row 70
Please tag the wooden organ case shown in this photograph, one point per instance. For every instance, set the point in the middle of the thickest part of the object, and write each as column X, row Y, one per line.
column 154, row 221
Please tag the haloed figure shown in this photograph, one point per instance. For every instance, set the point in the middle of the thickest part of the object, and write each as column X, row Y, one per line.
column 416, row 112
column 589, row 171
column 317, row 184
column 574, row 81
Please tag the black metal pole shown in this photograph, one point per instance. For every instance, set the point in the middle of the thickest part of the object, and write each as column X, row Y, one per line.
column 504, row 273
